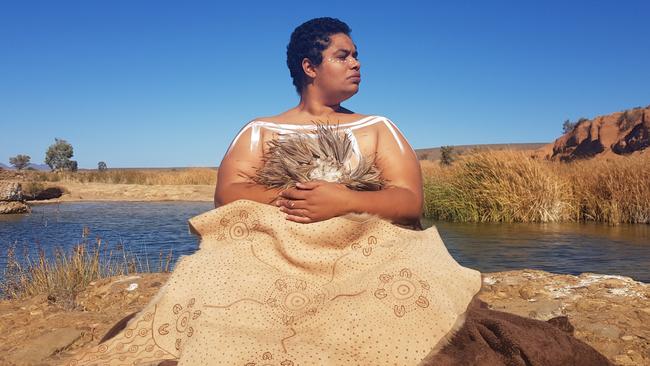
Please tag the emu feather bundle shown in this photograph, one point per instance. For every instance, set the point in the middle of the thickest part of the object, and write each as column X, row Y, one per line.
column 298, row 157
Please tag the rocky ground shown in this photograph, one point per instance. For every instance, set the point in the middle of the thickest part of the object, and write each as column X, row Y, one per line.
column 611, row 313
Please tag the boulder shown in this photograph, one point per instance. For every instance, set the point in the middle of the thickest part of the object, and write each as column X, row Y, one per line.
column 10, row 191
column 11, row 198
column 14, row 207
column 41, row 193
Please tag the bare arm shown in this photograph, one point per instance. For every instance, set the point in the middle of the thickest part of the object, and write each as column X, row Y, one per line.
column 240, row 162
column 401, row 199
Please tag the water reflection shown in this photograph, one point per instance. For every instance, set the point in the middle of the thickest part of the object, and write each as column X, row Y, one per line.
column 145, row 229
column 556, row 247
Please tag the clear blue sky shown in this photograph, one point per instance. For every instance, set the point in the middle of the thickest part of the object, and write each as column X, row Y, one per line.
column 158, row 84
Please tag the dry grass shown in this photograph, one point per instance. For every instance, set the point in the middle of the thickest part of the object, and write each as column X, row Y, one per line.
column 67, row 273
column 511, row 186
column 613, row 190
column 181, row 176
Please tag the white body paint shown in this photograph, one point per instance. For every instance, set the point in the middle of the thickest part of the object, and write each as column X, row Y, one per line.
column 348, row 128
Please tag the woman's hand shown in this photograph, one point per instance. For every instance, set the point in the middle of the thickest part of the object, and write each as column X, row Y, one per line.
column 314, row 201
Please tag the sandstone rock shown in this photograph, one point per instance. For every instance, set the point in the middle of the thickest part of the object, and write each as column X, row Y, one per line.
column 545, row 310
column 619, row 133
column 11, row 199
column 10, row 191
column 527, row 292
column 604, row 330
column 44, row 346
column 623, row 360
column 644, row 314
column 14, row 207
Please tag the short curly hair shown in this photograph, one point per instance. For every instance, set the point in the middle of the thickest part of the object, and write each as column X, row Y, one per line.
column 309, row 40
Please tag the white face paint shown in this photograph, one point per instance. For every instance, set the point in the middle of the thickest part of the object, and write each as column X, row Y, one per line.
column 348, row 128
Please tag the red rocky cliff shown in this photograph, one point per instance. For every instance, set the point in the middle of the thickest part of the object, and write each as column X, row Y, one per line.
column 619, row 133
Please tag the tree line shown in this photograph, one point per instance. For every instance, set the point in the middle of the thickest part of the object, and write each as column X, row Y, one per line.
column 58, row 157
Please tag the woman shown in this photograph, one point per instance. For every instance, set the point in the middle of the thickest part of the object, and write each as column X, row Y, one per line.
column 325, row 68
column 265, row 289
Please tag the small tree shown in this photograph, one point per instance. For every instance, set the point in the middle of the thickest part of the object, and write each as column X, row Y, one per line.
column 20, row 161
column 446, row 155
column 568, row 126
column 101, row 166
column 72, row 166
column 58, row 155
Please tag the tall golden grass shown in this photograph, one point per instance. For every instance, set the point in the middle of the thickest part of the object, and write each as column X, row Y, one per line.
column 615, row 190
column 67, row 273
column 180, row 176
column 512, row 186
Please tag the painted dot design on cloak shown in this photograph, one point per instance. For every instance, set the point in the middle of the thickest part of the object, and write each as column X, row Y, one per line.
column 352, row 332
column 237, row 227
column 402, row 292
column 275, row 292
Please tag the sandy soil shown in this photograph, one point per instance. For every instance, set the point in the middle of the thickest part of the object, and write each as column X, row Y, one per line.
column 131, row 192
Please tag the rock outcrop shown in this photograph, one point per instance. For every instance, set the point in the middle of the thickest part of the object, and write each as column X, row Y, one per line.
column 11, row 199
column 611, row 313
column 41, row 194
column 620, row 133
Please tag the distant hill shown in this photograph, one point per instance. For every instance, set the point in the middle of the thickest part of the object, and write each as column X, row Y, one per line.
column 43, row 167
column 434, row 153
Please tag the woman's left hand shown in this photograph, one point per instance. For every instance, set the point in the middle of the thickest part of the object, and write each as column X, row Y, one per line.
column 314, row 201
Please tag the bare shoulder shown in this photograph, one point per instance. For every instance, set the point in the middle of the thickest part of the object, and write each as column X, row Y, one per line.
column 386, row 124
column 379, row 123
column 295, row 117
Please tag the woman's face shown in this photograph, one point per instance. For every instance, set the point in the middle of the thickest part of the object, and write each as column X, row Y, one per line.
column 338, row 76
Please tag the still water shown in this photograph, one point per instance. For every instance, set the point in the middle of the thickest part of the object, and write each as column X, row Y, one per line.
column 148, row 229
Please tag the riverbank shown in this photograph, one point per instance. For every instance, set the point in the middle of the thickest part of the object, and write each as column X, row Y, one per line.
column 78, row 192
column 611, row 313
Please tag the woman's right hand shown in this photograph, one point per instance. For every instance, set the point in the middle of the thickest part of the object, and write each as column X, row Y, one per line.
column 314, row 201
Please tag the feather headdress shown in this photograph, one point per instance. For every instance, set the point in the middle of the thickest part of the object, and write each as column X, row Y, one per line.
column 298, row 157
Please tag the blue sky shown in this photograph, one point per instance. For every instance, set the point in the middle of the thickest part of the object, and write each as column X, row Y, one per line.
column 159, row 84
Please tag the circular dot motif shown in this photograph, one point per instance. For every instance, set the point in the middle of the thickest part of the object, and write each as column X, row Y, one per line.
column 181, row 322
column 239, row 231
column 293, row 301
column 237, row 226
column 403, row 289
column 402, row 292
